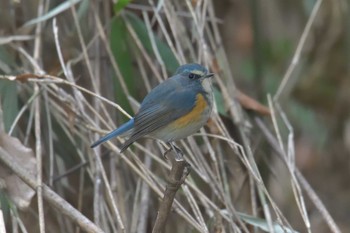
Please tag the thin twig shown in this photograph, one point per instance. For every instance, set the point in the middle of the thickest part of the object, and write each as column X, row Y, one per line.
column 299, row 49
column 306, row 186
column 37, row 129
column 38, row 152
column 317, row 202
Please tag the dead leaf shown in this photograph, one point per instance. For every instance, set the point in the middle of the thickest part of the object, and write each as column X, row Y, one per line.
column 215, row 67
column 251, row 104
column 19, row 192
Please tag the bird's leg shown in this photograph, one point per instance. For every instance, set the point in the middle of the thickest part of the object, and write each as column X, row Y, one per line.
column 177, row 151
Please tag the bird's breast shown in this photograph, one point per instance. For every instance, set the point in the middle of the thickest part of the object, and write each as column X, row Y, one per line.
column 187, row 124
column 195, row 114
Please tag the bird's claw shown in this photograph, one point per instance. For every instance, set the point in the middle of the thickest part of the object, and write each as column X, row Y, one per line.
column 177, row 151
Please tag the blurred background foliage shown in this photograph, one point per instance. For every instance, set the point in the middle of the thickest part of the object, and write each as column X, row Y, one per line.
column 259, row 39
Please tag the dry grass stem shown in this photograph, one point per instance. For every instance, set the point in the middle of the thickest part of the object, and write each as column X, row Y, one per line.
column 75, row 70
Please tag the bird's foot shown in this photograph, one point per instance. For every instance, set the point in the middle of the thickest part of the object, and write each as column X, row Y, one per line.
column 177, row 151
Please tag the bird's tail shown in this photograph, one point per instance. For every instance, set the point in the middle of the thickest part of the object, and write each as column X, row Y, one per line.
column 117, row 132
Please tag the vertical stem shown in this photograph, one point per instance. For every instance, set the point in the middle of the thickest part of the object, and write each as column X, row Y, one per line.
column 37, row 129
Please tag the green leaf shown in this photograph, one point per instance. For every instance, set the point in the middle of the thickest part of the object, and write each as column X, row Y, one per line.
column 5, row 205
column 165, row 52
column 120, row 5
column 120, row 45
column 83, row 9
column 8, row 96
column 263, row 224
column 8, row 90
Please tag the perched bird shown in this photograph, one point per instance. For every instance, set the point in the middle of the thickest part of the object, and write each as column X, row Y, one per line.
column 173, row 110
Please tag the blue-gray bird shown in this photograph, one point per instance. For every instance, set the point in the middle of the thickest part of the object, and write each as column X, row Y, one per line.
column 173, row 110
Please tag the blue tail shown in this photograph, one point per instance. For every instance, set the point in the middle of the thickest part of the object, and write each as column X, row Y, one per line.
column 122, row 129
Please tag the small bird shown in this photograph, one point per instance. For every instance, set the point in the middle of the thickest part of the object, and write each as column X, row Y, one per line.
column 173, row 110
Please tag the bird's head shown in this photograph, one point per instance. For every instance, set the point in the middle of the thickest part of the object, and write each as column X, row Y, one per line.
column 194, row 71
column 195, row 75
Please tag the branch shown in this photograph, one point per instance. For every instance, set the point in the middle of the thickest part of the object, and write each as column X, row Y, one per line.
column 179, row 172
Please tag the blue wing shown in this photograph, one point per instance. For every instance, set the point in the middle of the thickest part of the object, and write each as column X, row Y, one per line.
column 122, row 129
column 160, row 107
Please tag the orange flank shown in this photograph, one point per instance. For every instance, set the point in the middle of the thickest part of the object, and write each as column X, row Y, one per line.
column 194, row 114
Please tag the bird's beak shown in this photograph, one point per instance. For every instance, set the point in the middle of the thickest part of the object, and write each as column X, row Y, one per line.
column 209, row 75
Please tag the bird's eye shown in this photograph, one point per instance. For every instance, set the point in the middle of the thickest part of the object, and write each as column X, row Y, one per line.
column 193, row 76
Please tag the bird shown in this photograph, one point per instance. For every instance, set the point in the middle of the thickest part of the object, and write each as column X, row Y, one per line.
column 173, row 110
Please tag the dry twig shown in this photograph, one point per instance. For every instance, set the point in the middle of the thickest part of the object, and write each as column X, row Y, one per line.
column 177, row 176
